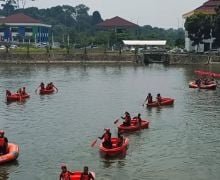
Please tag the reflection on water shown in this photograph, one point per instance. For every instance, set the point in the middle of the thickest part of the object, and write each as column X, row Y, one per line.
column 182, row 140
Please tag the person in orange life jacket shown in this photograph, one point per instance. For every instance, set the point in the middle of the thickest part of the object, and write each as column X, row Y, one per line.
column 42, row 86
column 19, row 91
column 3, row 143
column 107, row 143
column 65, row 174
column 86, row 175
column 149, row 98
column 127, row 119
column 49, row 86
column 198, row 82
column 23, row 92
column 159, row 98
column 120, row 139
column 138, row 118
column 8, row 93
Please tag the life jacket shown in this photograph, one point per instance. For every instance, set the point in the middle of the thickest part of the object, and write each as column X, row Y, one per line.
column 149, row 99
column 85, row 177
column 159, row 99
column 42, row 86
column 106, row 137
column 65, row 176
column 2, row 142
column 120, row 141
column 128, row 119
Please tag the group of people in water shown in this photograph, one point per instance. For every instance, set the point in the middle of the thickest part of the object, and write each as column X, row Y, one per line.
column 205, row 81
column 49, row 86
column 149, row 98
column 106, row 137
column 66, row 175
column 22, row 91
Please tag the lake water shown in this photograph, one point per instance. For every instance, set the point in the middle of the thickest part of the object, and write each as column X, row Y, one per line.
column 183, row 141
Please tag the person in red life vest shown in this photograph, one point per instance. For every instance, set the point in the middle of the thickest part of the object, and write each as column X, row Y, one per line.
column 159, row 98
column 19, row 91
column 3, row 143
column 42, row 86
column 120, row 140
column 65, row 174
column 23, row 92
column 107, row 143
column 149, row 98
column 86, row 175
column 8, row 93
column 48, row 87
column 127, row 119
column 138, row 118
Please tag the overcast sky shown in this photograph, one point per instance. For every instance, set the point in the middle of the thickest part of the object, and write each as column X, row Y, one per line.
column 160, row 13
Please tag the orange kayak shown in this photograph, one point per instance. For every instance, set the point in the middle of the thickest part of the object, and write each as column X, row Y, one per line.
column 134, row 126
column 77, row 174
column 164, row 102
column 115, row 150
column 13, row 152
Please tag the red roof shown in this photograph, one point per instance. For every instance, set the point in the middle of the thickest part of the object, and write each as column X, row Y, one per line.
column 19, row 18
column 116, row 22
column 209, row 6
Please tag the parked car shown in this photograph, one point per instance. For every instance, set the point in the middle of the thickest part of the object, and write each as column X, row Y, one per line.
column 13, row 46
column 41, row 45
column 2, row 47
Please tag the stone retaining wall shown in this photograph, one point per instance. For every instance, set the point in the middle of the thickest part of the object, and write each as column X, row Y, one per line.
column 185, row 59
column 63, row 58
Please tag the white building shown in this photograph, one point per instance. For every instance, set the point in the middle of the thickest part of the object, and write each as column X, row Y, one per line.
column 207, row 8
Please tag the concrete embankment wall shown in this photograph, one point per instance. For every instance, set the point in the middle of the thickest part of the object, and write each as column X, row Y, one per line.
column 188, row 59
column 67, row 58
column 185, row 59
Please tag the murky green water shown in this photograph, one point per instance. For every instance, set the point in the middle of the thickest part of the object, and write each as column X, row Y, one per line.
column 183, row 141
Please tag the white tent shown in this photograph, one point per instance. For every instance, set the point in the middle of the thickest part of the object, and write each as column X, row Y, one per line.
column 144, row 42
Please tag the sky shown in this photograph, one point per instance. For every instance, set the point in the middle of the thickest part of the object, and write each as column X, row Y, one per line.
column 157, row 13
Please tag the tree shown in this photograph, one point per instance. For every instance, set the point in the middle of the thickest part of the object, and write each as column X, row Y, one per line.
column 216, row 30
column 96, row 18
column 199, row 27
column 180, row 42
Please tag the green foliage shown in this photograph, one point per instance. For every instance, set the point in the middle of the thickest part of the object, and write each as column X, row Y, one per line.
column 216, row 30
column 76, row 23
column 199, row 27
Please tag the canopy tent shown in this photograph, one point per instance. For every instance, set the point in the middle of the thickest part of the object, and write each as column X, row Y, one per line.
column 145, row 42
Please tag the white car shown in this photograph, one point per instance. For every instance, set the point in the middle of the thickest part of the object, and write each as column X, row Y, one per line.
column 2, row 47
column 13, row 46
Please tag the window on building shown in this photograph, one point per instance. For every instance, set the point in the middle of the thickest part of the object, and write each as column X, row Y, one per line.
column 14, row 29
column 28, row 29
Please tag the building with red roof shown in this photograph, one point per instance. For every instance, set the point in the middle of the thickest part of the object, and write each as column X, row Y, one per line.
column 119, row 28
column 209, row 7
column 19, row 27
column 116, row 22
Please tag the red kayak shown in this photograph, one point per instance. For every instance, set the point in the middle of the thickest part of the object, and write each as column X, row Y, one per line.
column 115, row 150
column 77, row 174
column 16, row 97
column 46, row 91
column 164, row 102
column 134, row 126
column 212, row 85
